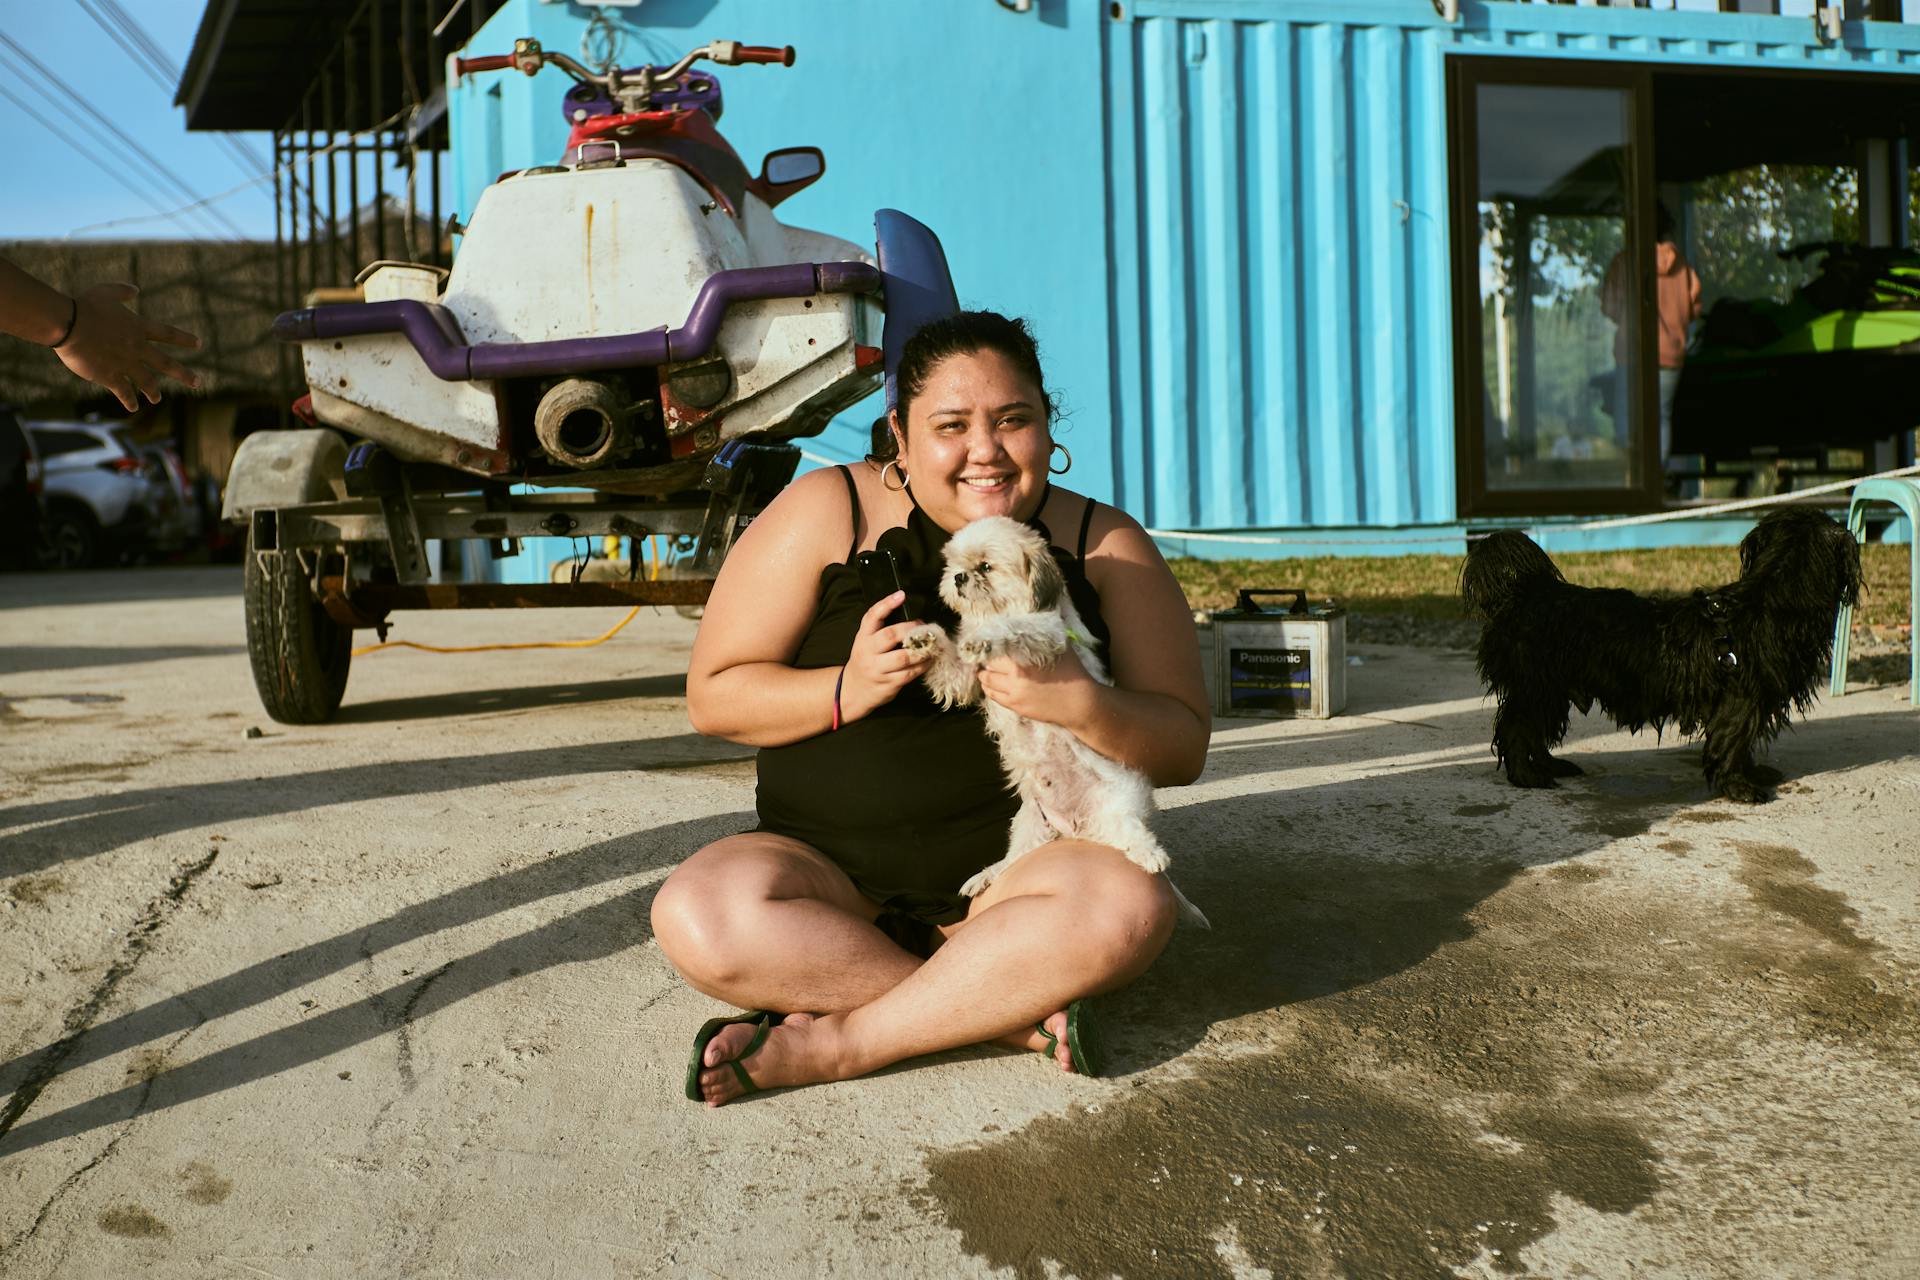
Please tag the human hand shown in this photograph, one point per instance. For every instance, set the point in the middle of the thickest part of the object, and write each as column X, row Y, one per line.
column 1060, row 692
column 115, row 348
column 878, row 667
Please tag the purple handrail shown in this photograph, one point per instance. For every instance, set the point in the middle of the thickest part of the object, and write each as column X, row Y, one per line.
column 433, row 332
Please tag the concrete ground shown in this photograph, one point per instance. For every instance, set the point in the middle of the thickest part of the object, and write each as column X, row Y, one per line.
column 379, row 998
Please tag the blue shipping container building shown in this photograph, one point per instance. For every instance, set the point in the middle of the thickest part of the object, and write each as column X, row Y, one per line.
column 1316, row 275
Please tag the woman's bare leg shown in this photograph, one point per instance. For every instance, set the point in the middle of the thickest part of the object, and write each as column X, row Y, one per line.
column 766, row 922
column 1069, row 919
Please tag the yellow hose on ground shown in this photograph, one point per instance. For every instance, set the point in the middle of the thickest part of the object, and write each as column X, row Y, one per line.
column 531, row 644
column 489, row 648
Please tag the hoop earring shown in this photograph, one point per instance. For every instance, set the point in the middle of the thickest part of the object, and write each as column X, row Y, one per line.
column 893, row 466
column 1059, row 471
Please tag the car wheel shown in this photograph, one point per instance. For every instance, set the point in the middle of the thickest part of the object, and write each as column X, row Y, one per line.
column 300, row 654
column 70, row 539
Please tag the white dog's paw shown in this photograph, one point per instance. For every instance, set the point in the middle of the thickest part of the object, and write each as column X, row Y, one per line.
column 925, row 639
column 1150, row 858
column 977, row 884
column 976, row 651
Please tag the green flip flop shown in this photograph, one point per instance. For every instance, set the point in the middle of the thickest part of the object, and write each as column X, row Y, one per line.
column 1085, row 1046
column 762, row 1018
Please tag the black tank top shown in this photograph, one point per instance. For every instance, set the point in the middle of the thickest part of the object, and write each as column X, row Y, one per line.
column 909, row 801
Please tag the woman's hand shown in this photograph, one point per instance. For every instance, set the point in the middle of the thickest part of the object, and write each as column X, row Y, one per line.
column 878, row 668
column 119, row 350
column 1060, row 693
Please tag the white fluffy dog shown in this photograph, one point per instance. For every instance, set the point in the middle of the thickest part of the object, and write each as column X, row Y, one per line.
column 1003, row 582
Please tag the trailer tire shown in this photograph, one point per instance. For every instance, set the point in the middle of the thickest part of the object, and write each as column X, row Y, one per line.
column 300, row 654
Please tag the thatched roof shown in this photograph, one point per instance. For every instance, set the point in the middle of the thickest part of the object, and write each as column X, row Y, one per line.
column 224, row 291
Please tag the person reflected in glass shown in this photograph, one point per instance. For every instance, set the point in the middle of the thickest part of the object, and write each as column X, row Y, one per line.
column 1676, row 307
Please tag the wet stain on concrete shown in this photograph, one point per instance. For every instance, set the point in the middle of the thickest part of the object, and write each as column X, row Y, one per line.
column 1845, row 991
column 1481, row 810
column 90, row 771
column 1406, row 1064
column 1617, row 807
column 202, row 1185
column 132, row 1221
column 1781, row 879
column 35, row 889
column 1292, row 1160
column 1417, row 1074
column 1615, row 826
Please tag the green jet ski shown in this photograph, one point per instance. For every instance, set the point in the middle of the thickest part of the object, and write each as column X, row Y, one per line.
column 1834, row 366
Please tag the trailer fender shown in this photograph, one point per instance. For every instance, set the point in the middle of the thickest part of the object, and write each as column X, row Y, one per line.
column 284, row 469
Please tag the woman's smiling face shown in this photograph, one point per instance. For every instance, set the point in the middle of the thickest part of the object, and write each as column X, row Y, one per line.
column 976, row 441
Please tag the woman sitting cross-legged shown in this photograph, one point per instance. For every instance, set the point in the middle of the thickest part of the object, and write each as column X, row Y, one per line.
column 839, row 919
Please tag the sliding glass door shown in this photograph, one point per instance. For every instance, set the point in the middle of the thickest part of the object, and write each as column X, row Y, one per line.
column 1551, row 170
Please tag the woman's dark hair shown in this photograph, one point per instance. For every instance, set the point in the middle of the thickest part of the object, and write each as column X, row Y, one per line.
column 963, row 333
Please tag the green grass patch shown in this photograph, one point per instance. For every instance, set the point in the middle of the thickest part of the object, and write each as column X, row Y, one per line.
column 1429, row 586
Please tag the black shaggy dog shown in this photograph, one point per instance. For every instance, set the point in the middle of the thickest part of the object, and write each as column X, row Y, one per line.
column 1732, row 663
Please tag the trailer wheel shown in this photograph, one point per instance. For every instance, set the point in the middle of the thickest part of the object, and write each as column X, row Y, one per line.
column 300, row 655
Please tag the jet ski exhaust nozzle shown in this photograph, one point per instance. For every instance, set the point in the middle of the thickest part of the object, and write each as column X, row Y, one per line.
column 581, row 423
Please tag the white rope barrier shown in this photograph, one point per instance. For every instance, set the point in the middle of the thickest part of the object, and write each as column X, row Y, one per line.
column 1618, row 522
column 1742, row 505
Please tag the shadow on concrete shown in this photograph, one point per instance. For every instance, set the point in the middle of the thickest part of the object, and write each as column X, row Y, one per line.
column 65, row 830
column 118, row 586
column 1328, row 888
column 1311, row 892
column 592, row 933
column 467, row 702
column 18, row 659
column 1333, row 887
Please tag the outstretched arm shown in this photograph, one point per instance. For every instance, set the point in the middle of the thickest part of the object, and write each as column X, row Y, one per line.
column 94, row 334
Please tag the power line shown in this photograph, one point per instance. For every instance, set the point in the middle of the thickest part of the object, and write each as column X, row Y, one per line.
column 144, row 60
column 147, row 54
column 106, row 168
column 74, row 96
column 143, row 38
column 286, row 168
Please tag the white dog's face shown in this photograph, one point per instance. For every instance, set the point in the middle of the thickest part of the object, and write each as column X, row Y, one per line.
column 997, row 565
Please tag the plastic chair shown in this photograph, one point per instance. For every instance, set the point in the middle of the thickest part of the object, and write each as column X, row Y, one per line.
column 1903, row 493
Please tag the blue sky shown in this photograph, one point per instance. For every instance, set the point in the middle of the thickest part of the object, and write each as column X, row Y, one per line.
column 51, row 190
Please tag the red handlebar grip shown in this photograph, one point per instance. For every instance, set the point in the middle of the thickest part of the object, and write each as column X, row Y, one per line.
column 490, row 62
column 766, row 53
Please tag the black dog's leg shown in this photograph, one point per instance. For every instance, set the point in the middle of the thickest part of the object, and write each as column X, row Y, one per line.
column 1728, row 756
column 1525, row 727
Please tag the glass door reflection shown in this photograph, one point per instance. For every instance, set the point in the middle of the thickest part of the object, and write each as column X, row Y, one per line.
column 1561, row 408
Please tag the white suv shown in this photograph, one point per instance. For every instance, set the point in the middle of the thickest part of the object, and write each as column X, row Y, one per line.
column 103, row 500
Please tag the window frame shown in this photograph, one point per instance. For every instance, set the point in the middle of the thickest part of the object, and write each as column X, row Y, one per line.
column 1465, row 74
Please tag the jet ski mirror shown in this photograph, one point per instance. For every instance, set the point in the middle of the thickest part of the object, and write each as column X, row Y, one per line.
column 790, row 170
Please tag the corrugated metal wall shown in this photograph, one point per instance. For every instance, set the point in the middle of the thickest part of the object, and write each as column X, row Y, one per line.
column 1280, row 290
column 1278, row 200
